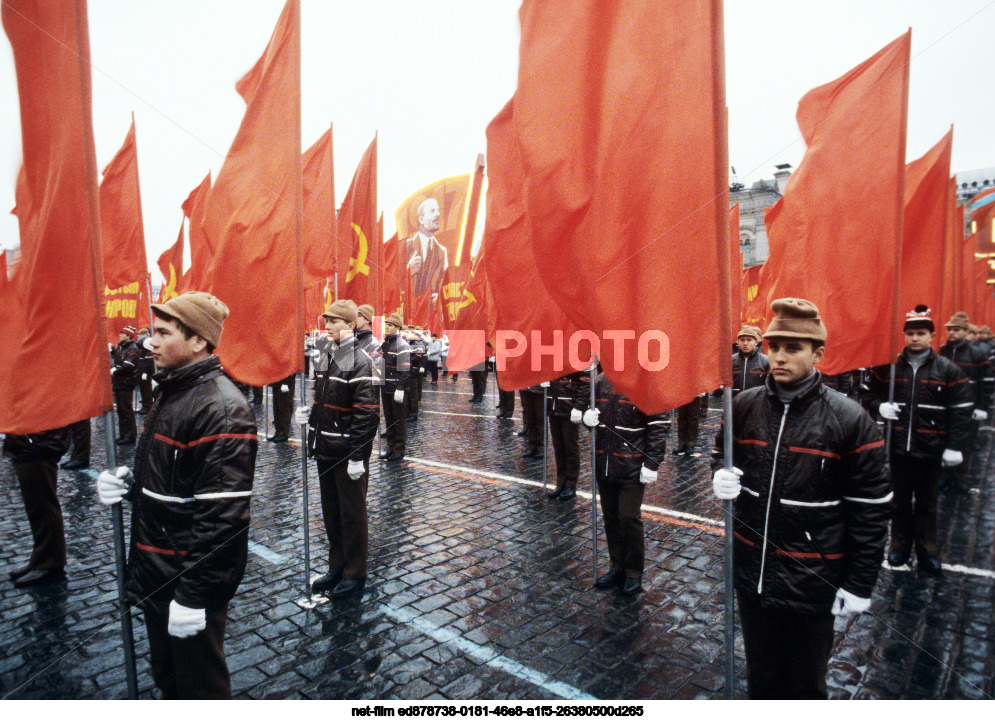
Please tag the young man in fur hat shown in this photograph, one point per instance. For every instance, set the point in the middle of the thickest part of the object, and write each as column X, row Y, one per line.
column 190, row 491
column 812, row 502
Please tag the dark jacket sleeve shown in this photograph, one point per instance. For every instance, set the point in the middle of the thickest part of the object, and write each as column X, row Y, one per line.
column 960, row 406
column 225, row 457
column 365, row 410
column 657, row 430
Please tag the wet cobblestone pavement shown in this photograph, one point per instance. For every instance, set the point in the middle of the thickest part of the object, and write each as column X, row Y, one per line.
column 480, row 587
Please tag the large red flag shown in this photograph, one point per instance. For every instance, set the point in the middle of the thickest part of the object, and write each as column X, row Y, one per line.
column 122, row 235
column 735, row 272
column 318, row 180
column 848, row 190
column 171, row 265
column 924, row 228
column 471, row 320
column 950, row 291
column 632, row 245
column 201, row 246
column 755, row 308
column 56, row 288
column 394, row 273
column 357, row 230
column 967, row 277
column 253, row 219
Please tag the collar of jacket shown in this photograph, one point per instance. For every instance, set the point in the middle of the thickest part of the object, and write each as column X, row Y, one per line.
column 751, row 353
column 930, row 355
column 817, row 389
column 188, row 376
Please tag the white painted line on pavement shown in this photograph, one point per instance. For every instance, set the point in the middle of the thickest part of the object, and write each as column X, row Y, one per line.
column 485, row 655
column 468, row 415
column 265, row 553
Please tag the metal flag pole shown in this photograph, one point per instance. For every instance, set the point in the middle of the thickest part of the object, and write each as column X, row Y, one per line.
column 888, row 423
column 594, row 476
column 265, row 410
column 307, row 540
column 117, row 521
column 544, row 439
column 730, row 627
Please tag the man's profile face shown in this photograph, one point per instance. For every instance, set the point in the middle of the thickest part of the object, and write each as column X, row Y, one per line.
column 428, row 218
column 361, row 323
column 389, row 329
column 746, row 344
column 918, row 339
column 170, row 348
column 792, row 359
column 956, row 333
column 122, row 337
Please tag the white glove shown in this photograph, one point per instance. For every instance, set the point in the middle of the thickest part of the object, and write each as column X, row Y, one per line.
column 646, row 476
column 355, row 469
column 145, row 376
column 889, row 411
column 846, row 604
column 302, row 415
column 725, row 483
column 575, row 415
column 185, row 622
column 399, row 396
column 591, row 416
column 980, row 415
column 285, row 388
column 544, row 384
column 113, row 371
column 952, row 458
column 147, row 343
column 112, row 487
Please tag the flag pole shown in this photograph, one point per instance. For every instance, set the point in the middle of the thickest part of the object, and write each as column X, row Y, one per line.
column 891, row 399
column 545, row 442
column 730, row 594
column 307, row 540
column 117, row 521
column 594, row 475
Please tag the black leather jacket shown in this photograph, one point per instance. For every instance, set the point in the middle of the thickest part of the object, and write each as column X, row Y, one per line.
column 194, row 467
column 566, row 393
column 813, row 512
column 125, row 361
column 397, row 363
column 749, row 371
column 973, row 361
column 47, row 445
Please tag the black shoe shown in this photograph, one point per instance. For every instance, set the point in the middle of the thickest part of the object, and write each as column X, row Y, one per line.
column 610, row 580
column 898, row 558
column 522, row 433
column 348, row 586
column 930, row 565
column 125, row 441
column 39, row 577
column 501, row 414
column 395, row 456
column 326, row 583
column 555, row 493
column 632, row 586
column 277, row 439
column 531, row 453
column 567, row 494
column 680, row 450
column 74, row 464
column 18, row 572
column 384, row 455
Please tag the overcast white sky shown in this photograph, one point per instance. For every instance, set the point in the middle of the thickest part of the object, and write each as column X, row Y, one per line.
column 429, row 75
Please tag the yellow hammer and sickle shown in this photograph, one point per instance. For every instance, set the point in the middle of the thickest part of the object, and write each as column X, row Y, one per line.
column 170, row 290
column 466, row 300
column 751, row 292
column 358, row 264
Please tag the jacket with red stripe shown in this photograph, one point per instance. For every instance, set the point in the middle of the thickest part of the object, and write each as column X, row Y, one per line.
column 749, row 371
column 974, row 362
column 194, row 467
column 346, row 410
column 566, row 393
column 813, row 512
column 934, row 405
column 626, row 438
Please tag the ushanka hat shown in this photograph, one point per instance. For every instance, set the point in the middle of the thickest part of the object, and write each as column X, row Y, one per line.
column 919, row 317
column 796, row 318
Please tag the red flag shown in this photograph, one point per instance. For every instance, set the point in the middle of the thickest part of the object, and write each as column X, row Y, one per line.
column 393, row 273
column 421, row 309
column 471, row 320
column 967, row 278
column 755, row 308
column 630, row 244
column 735, row 271
column 318, row 182
column 56, row 288
column 201, row 247
column 950, row 291
column 356, row 227
column 171, row 265
column 924, row 228
column 253, row 221
column 847, row 189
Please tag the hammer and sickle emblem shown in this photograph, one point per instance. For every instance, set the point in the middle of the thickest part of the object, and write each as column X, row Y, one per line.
column 358, row 264
column 170, row 290
column 466, row 300
column 751, row 292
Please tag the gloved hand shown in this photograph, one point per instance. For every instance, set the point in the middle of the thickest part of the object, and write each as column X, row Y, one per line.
column 889, row 411
column 355, row 469
column 285, row 388
column 145, row 376
column 591, row 416
column 112, row 487
column 302, row 415
column 846, row 604
column 952, row 458
column 544, row 384
column 575, row 415
column 725, row 483
column 399, row 396
column 147, row 343
column 113, row 370
column 185, row 622
column 646, row 476
column 980, row 415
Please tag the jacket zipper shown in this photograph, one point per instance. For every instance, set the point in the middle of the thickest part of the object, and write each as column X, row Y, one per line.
column 770, row 496
column 912, row 397
column 746, row 364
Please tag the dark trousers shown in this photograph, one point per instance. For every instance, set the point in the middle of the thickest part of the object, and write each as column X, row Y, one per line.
column 532, row 418
column 566, row 448
column 125, row 403
column 257, row 394
column 343, row 505
column 787, row 653
column 192, row 667
column 283, row 405
column 479, row 381
column 620, row 508
column 688, row 416
column 145, row 390
column 395, row 416
column 916, row 482
column 81, row 441
column 38, row 481
column 411, row 397
column 432, row 367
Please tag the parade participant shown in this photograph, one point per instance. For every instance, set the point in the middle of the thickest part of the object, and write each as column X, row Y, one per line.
column 367, row 341
column 532, row 419
column 146, row 369
column 506, row 400
column 629, row 446
column 283, row 408
column 987, row 345
column 931, row 412
column 749, row 364
column 973, row 361
column 444, row 354
column 397, row 371
column 416, row 381
column 840, row 382
column 433, row 358
column 810, row 524
column 478, row 380
column 80, row 457
column 124, row 372
column 190, row 492
column 688, row 418
column 342, row 424
column 35, row 457
column 563, row 412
